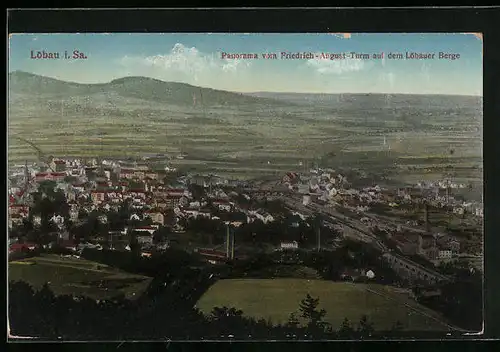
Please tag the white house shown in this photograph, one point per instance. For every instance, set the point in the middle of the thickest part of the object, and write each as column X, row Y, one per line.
column 103, row 219
column 37, row 220
column 135, row 217
column 289, row 245
column 445, row 254
column 57, row 219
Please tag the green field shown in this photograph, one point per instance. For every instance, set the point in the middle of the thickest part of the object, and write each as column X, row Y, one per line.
column 77, row 277
column 275, row 299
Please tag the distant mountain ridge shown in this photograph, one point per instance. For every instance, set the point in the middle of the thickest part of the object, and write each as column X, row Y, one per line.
column 144, row 88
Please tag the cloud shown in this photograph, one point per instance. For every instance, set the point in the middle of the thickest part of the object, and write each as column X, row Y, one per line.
column 388, row 78
column 337, row 67
column 185, row 64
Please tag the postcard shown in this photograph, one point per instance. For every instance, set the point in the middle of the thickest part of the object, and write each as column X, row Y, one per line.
column 167, row 186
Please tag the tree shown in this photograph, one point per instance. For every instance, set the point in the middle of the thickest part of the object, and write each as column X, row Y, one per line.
column 293, row 321
column 220, row 313
column 161, row 235
column 397, row 326
column 308, row 308
column 365, row 327
column 346, row 330
column 134, row 244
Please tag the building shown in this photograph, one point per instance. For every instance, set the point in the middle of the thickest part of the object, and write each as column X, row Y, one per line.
column 445, row 254
column 172, row 201
column 289, row 245
column 98, row 196
column 290, row 177
column 222, row 204
column 156, row 216
column 213, row 256
column 58, row 165
column 50, row 176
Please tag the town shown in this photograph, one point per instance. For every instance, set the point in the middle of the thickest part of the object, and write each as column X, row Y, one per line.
column 117, row 205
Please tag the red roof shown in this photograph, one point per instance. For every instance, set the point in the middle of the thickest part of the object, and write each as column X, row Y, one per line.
column 68, row 243
column 220, row 201
column 43, row 174
column 12, row 199
column 212, row 253
column 59, row 162
column 21, row 246
column 18, row 206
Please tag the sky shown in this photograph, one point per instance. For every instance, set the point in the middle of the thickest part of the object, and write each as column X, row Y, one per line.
column 197, row 59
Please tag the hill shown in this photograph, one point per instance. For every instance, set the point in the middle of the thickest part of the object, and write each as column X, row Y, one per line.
column 143, row 88
column 245, row 136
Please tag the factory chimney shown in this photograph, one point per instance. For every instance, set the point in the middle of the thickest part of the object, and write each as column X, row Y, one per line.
column 319, row 237
column 426, row 216
column 227, row 241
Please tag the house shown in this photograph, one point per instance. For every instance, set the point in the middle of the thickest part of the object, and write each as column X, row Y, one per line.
column 19, row 209
column 151, row 175
column 195, row 204
column 175, row 192
column 454, row 246
column 73, row 214
column 146, row 229
column 21, row 247
column 135, row 217
column 103, row 219
column 156, row 217
column 50, row 176
column 213, row 256
column 370, row 274
column 58, row 165
column 445, row 254
column 222, row 204
column 290, row 177
column 145, row 239
column 126, row 174
column 289, row 245
column 97, row 196
column 137, row 193
column 172, row 201
column 37, row 219
column 57, row 219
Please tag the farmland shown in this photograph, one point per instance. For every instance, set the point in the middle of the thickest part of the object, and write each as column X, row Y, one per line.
column 242, row 135
column 67, row 275
column 275, row 299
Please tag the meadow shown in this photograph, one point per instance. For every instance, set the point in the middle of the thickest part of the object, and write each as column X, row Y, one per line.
column 69, row 275
column 275, row 299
